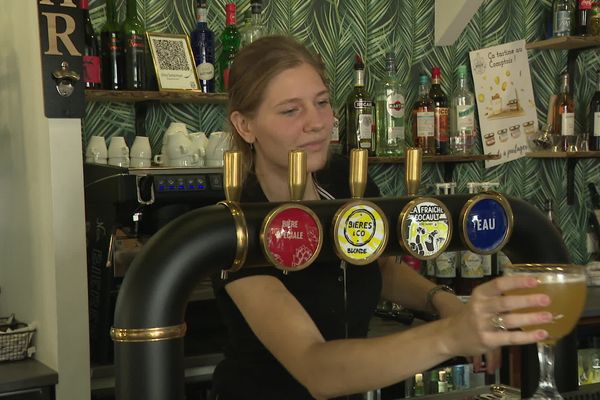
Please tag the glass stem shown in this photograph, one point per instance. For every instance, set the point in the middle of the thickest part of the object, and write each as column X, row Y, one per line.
column 547, row 385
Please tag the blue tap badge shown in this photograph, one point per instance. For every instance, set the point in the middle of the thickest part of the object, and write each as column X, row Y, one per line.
column 487, row 222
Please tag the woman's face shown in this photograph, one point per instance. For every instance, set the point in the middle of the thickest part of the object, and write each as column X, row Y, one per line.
column 295, row 114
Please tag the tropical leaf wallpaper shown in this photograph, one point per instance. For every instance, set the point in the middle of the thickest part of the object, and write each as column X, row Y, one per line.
column 337, row 29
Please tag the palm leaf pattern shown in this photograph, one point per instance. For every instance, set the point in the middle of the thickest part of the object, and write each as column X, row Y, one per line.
column 338, row 29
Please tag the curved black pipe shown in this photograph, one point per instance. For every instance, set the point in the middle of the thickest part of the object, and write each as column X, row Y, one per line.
column 160, row 281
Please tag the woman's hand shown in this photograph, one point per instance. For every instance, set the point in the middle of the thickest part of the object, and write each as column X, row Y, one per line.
column 473, row 327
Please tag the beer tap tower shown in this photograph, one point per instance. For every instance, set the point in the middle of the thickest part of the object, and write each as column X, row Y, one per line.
column 149, row 316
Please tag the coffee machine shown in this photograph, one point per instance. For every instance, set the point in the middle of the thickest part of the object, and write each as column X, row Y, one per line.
column 124, row 208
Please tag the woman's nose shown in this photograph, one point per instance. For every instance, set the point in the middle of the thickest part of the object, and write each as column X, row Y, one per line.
column 315, row 119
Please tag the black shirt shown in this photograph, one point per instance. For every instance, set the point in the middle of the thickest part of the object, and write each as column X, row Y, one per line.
column 249, row 371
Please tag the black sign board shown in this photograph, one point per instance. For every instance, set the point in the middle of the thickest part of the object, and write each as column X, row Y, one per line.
column 62, row 45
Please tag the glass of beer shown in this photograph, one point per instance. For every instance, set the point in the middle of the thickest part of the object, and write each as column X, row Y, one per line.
column 566, row 286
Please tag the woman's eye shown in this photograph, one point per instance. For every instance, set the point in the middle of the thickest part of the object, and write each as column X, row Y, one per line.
column 289, row 111
column 323, row 102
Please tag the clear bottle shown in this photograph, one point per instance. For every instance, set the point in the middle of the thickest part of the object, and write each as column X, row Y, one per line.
column 440, row 110
column 462, row 138
column 359, row 113
column 230, row 42
column 134, row 45
column 563, row 17
column 91, row 51
column 253, row 28
column 111, row 49
column 594, row 117
column 389, row 109
column 564, row 114
column 203, row 46
column 423, row 119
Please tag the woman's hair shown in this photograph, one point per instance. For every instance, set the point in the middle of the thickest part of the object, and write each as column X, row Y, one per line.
column 251, row 72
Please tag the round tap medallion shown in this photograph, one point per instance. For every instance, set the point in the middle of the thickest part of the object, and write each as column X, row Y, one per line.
column 425, row 228
column 291, row 237
column 360, row 232
column 487, row 222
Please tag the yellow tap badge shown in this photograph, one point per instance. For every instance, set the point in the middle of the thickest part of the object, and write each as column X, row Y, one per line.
column 360, row 232
column 425, row 228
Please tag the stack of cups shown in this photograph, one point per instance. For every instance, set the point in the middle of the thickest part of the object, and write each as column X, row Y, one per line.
column 140, row 153
column 118, row 152
column 96, row 151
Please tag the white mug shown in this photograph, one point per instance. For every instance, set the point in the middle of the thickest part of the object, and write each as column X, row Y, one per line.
column 141, row 148
column 161, row 159
column 190, row 160
column 118, row 148
column 136, row 162
column 96, row 150
column 218, row 143
column 178, row 145
column 119, row 161
column 176, row 127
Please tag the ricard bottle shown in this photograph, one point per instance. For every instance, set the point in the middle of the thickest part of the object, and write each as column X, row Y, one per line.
column 359, row 113
column 423, row 119
column 203, row 46
column 389, row 108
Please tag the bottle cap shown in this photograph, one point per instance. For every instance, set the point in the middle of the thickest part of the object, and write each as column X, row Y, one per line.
column 256, row 6
column 462, row 70
column 423, row 79
column 358, row 62
column 230, row 7
column 435, row 72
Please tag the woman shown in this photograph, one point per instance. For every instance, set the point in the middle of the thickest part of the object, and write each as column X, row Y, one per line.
column 301, row 335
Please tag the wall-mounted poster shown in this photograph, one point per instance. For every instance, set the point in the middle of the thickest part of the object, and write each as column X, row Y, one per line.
column 504, row 94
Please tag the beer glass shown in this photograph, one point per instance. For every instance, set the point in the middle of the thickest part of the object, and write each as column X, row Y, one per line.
column 566, row 286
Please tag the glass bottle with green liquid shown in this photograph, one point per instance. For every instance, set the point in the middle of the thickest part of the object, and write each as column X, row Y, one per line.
column 389, row 109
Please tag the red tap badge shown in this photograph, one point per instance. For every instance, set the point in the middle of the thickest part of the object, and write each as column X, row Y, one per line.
column 291, row 237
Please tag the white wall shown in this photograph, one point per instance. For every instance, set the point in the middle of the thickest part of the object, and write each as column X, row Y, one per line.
column 42, row 224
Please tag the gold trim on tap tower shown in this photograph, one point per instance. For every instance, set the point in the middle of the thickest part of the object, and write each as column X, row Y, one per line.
column 132, row 335
column 359, row 159
column 297, row 174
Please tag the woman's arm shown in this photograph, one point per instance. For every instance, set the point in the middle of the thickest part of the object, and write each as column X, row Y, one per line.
column 404, row 286
column 334, row 368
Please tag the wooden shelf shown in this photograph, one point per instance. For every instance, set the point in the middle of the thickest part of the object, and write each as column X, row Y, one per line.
column 126, row 96
column 565, row 43
column 436, row 159
column 564, row 154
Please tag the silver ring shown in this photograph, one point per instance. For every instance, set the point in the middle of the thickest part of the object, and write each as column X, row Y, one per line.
column 498, row 322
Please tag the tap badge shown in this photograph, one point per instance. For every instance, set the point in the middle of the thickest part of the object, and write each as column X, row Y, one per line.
column 360, row 232
column 487, row 222
column 425, row 228
column 291, row 237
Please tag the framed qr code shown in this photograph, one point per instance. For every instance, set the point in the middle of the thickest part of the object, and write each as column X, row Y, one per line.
column 173, row 62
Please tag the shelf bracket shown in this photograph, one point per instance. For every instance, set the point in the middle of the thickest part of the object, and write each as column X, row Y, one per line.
column 571, row 163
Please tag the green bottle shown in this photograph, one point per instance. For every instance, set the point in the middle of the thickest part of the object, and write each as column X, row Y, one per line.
column 389, row 109
column 134, row 44
column 230, row 42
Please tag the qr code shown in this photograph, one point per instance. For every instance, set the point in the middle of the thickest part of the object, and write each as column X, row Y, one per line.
column 171, row 55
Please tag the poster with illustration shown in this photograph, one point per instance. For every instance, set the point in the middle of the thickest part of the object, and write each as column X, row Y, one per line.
column 507, row 114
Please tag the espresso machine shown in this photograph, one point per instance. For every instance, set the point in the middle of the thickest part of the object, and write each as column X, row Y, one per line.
column 124, row 208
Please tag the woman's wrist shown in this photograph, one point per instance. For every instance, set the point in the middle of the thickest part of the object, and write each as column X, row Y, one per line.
column 434, row 295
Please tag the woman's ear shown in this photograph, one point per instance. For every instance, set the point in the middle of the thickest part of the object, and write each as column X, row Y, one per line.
column 242, row 126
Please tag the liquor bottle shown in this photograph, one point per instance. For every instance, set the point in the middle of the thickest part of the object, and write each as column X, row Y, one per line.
column 562, row 17
column 230, row 42
column 111, row 47
column 471, row 272
column 91, row 52
column 564, row 113
column 203, row 46
column 359, row 113
column 335, row 143
column 440, row 112
column 389, row 109
column 583, row 13
column 594, row 23
column 419, row 389
column 462, row 116
column 134, row 44
column 423, row 118
column 594, row 117
column 445, row 268
column 253, row 28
